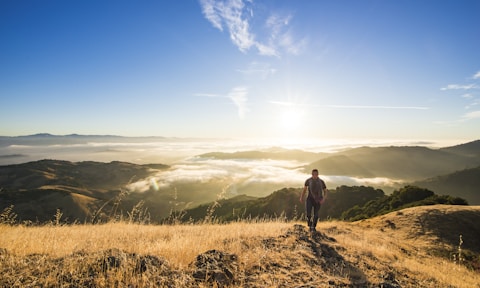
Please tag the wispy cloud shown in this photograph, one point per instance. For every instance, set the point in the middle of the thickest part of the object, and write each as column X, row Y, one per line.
column 471, row 115
column 238, row 95
column 208, row 95
column 209, row 10
column 471, row 96
column 230, row 14
column 459, row 87
column 473, row 103
column 276, row 23
column 377, row 107
column 235, row 16
column 260, row 70
column 285, row 103
column 477, row 75
column 282, row 36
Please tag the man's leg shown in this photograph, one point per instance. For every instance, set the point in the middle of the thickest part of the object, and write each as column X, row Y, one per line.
column 316, row 208
column 308, row 207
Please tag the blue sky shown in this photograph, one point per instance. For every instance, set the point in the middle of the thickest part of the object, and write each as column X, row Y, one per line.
column 244, row 69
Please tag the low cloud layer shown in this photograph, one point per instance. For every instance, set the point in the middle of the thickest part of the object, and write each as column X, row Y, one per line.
column 236, row 172
column 241, row 173
column 241, row 176
column 172, row 151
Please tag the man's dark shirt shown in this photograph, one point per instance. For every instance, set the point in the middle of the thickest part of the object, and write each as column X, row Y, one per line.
column 315, row 188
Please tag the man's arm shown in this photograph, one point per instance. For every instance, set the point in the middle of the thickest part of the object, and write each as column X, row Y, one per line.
column 325, row 192
column 302, row 196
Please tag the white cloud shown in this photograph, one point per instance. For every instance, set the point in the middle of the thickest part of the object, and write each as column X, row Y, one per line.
column 235, row 16
column 292, row 46
column 281, row 36
column 477, row 75
column 459, row 87
column 208, row 8
column 239, row 172
column 472, row 115
column 244, row 173
column 266, row 50
column 377, row 107
column 354, row 181
column 260, row 70
column 207, row 95
column 276, row 23
column 467, row 96
column 286, row 103
column 238, row 27
column 474, row 103
column 239, row 97
column 230, row 14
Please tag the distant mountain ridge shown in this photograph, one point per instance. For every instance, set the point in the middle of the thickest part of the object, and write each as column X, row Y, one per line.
column 469, row 149
column 37, row 189
column 51, row 139
column 409, row 163
column 463, row 183
column 272, row 153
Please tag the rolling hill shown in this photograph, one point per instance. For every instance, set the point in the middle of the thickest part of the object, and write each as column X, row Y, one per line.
column 274, row 153
column 37, row 189
column 344, row 202
column 433, row 224
column 471, row 149
column 464, row 183
column 81, row 189
column 406, row 163
column 43, row 139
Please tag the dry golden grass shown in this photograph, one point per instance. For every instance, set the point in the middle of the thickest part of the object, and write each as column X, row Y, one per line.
column 271, row 254
column 179, row 244
column 387, row 251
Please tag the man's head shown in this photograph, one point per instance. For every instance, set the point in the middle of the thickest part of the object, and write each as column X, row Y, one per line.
column 314, row 173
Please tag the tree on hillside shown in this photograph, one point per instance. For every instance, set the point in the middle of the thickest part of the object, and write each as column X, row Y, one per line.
column 408, row 196
column 346, row 197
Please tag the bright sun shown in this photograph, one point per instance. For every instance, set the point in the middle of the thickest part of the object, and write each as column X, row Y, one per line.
column 291, row 118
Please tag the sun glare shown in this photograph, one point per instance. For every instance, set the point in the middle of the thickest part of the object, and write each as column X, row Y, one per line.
column 291, row 119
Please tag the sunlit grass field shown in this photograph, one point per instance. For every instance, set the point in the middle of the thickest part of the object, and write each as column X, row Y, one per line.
column 266, row 254
column 178, row 244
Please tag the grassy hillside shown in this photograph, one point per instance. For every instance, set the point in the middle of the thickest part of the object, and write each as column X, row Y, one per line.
column 407, row 163
column 344, row 202
column 471, row 149
column 464, row 183
column 37, row 189
column 87, row 191
column 408, row 196
column 416, row 247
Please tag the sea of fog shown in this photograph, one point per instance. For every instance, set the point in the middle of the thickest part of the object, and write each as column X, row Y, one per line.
column 187, row 166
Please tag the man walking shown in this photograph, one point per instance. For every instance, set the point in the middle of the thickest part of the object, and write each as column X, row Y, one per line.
column 317, row 193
